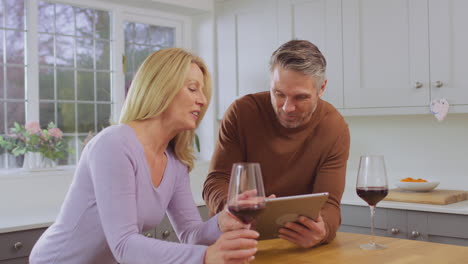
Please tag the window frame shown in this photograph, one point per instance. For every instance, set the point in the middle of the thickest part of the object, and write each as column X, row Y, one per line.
column 118, row 15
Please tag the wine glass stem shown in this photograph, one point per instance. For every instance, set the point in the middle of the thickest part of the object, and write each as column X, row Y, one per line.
column 372, row 214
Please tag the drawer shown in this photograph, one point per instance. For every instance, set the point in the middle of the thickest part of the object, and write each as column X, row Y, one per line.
column 24, row 241
column 449, row 225
column 23, row 260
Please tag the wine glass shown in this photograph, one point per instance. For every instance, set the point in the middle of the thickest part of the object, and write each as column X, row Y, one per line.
column 372, row 187
column 246, row 196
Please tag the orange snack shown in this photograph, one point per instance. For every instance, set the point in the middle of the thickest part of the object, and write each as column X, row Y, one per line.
column 409, row 179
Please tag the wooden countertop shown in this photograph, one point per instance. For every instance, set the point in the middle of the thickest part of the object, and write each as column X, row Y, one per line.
column 345, row 249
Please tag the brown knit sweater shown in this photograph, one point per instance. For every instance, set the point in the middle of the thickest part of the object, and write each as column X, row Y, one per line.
column 307, row 159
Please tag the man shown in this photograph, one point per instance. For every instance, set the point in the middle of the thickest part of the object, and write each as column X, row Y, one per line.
column 300, row 141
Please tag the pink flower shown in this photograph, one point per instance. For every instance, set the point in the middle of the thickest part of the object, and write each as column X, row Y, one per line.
column 55, row 132
column 33, row 127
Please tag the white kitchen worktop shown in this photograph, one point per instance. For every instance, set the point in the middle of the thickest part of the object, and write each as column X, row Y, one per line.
column 31, row 200
column 350, row 198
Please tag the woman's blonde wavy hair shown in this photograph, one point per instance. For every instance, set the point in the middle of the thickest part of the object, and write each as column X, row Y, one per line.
column 161, row 76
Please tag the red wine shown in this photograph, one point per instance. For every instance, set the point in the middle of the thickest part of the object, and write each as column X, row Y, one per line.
column 372, row 195
column 246, row 213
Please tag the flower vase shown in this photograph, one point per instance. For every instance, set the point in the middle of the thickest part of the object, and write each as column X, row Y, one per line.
column 37, row 161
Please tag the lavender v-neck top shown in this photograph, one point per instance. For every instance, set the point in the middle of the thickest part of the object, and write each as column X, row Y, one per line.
column 112, row 199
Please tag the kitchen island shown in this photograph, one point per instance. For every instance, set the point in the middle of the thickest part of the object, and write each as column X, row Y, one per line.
column 345, row 249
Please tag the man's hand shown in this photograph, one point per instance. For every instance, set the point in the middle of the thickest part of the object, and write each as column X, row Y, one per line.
column 306, row 234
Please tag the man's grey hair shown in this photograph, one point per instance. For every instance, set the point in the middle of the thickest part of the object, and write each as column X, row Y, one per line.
column 301, row 56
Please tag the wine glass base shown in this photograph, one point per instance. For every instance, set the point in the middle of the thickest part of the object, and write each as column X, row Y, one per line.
column 372, row 246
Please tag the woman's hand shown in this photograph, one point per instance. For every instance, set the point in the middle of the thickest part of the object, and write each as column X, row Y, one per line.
column 233, row 247
column 228, row 222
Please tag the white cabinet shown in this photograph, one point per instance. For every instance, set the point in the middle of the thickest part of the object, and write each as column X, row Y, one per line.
column 448, row 39
column 246, row 37
column 385, row 53
column 404, row 53
column 318, row 21
column 383, row 56
column 249, row 31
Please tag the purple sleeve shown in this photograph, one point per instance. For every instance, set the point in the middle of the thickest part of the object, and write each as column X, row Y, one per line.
column 113, row 171
column 185, row 217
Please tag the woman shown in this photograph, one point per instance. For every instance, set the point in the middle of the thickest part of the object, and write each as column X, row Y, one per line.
column 131, row 174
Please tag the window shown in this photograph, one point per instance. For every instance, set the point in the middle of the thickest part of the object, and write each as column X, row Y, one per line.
column 74, row 70
column 140, row 41
column 12, row 70
column 59, row 63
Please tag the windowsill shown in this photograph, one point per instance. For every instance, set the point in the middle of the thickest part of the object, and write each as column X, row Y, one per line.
column 21, row 173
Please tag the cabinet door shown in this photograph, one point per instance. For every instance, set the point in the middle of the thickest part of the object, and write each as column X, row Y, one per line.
column 318, row 21
column 385, row 50
column 18, row 244
column 246, row 36
column 397, row 226
column 417, row 225
column 356, row 219
column 448, row 228
column 448, row 50
column 164, row 231
column 24, row 260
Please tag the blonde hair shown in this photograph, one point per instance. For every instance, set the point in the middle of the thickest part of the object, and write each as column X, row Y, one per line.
column 160, row 77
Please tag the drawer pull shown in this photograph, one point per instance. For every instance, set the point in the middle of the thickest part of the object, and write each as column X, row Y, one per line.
column 18, row 245
column 395, row 231
column 166, row 233
column 415, row 234
column 418, row 85
column 149, row 234
column 438, row 84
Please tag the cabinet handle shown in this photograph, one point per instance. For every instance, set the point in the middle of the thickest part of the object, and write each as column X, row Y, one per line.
column 166, row 233
column 149, row 234
column 418, row 85
column 438, row 84
column 18, row 245
column 395, row 231
column 415, row 234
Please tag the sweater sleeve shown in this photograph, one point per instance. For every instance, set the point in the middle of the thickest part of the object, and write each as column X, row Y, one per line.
column 113, row 171
column 331, row 178
column 228, row 150
column 185, row 217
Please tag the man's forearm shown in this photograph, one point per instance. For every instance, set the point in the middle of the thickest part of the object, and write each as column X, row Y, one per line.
column 215, row 192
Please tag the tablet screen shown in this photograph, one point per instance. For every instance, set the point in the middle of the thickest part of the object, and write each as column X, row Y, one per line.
column 279, row 211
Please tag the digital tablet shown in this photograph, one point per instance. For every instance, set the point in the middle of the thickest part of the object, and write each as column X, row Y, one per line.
column 280, row 210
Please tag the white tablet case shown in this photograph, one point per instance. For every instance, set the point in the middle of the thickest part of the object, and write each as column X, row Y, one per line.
column 280, row 210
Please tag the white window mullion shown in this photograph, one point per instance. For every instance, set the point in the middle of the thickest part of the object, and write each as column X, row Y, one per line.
column 118, row 75
column 32, row 62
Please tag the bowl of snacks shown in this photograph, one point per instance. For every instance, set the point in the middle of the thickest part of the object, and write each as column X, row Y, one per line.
column 417, row 185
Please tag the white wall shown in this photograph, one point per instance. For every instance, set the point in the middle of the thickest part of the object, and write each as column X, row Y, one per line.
column 203, row 45
column 415, row 146
column 197, row 4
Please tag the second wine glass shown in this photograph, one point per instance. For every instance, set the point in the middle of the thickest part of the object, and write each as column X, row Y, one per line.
column 246, row 195
column 372, row 187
